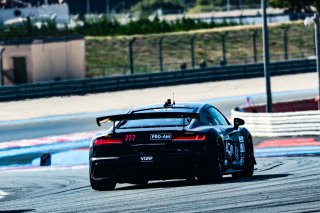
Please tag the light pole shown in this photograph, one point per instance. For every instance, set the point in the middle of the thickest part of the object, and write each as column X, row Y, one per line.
column 266, row 56
column 1, row 66
column 240, row 6
column 88, row 6
column 308, row 21
column 107, row 8
column 228, row 5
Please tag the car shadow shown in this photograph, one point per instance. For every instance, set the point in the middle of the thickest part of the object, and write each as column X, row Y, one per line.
column 182, row 182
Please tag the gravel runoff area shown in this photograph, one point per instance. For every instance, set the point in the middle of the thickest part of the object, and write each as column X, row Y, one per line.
column 16, row 110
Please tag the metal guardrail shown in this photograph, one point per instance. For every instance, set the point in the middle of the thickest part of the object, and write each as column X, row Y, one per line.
column 106, row 84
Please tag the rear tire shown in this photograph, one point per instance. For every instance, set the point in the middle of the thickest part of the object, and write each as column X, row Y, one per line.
column 249, row 162
column 102, row 185
column 215, row 169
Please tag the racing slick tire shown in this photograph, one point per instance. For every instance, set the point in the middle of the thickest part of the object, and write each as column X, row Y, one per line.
column 249, row 161
column 102, row 185
column 215, row 170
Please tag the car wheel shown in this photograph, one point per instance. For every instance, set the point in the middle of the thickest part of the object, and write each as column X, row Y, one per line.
column 219, row 167
column 215, row 170
column 102, row 185
column 249, row 162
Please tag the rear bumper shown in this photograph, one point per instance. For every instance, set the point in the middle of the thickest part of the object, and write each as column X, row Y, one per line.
column 150, row 167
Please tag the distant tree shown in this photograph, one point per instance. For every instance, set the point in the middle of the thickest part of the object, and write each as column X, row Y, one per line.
column 308, row 6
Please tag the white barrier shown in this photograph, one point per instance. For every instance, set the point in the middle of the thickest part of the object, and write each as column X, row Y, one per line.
column 281, row 124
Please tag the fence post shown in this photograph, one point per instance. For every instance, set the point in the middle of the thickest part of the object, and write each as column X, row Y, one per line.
column 160, row 53
column 224, row 50
column 254, row 45
column 29, row 25
column 131, row 55
column 192, row 50
column 285, row 42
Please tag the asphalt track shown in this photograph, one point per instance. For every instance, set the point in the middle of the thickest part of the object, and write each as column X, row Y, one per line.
column 278, row 185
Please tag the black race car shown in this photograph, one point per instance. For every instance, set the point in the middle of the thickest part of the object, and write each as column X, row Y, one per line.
column 192, row 141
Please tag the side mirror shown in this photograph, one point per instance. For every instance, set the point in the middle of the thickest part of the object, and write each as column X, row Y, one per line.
column 237, row 122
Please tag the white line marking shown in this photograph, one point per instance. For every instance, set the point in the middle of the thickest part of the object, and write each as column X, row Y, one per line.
column 2, row 194
column 46, row 140
column 43, row 168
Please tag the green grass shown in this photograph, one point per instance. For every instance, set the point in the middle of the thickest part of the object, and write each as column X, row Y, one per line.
column 107, row 56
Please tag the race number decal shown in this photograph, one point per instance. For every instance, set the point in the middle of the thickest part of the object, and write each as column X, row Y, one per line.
column 130, row 137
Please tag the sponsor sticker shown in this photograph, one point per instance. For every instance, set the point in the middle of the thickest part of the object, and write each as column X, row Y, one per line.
column 161, row 136
column 242, row 160
column 241, row 140
column 242, row 148
column 229, row 149
column 236, row 152
column 146, row 159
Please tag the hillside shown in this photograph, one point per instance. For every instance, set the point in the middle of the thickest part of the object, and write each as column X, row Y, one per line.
column 110, row 56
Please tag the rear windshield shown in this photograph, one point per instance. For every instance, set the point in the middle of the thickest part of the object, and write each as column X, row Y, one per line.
column 158, row 122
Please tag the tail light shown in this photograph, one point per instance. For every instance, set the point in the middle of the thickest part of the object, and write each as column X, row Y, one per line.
column 189, row 138
column 106, row 141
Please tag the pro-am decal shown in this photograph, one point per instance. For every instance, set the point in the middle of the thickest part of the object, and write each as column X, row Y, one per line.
column 161, row 136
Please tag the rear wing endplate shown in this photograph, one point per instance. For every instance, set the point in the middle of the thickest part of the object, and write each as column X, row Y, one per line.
column 140, row 116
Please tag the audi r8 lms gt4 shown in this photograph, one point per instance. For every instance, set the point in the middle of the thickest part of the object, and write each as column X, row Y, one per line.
column 192, row 141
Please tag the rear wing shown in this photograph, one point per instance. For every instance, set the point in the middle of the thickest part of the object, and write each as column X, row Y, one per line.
column 140, row 116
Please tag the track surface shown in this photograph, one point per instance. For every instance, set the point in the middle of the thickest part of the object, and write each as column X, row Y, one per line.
column 279, row 185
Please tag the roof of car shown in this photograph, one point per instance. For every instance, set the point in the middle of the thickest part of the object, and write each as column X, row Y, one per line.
column 194, row 105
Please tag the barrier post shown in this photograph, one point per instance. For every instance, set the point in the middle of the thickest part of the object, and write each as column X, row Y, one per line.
column 254, row 45
column 223, row 47
column 192, row 50
column 160, row 53
column 131, row 55
column 285, row 42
